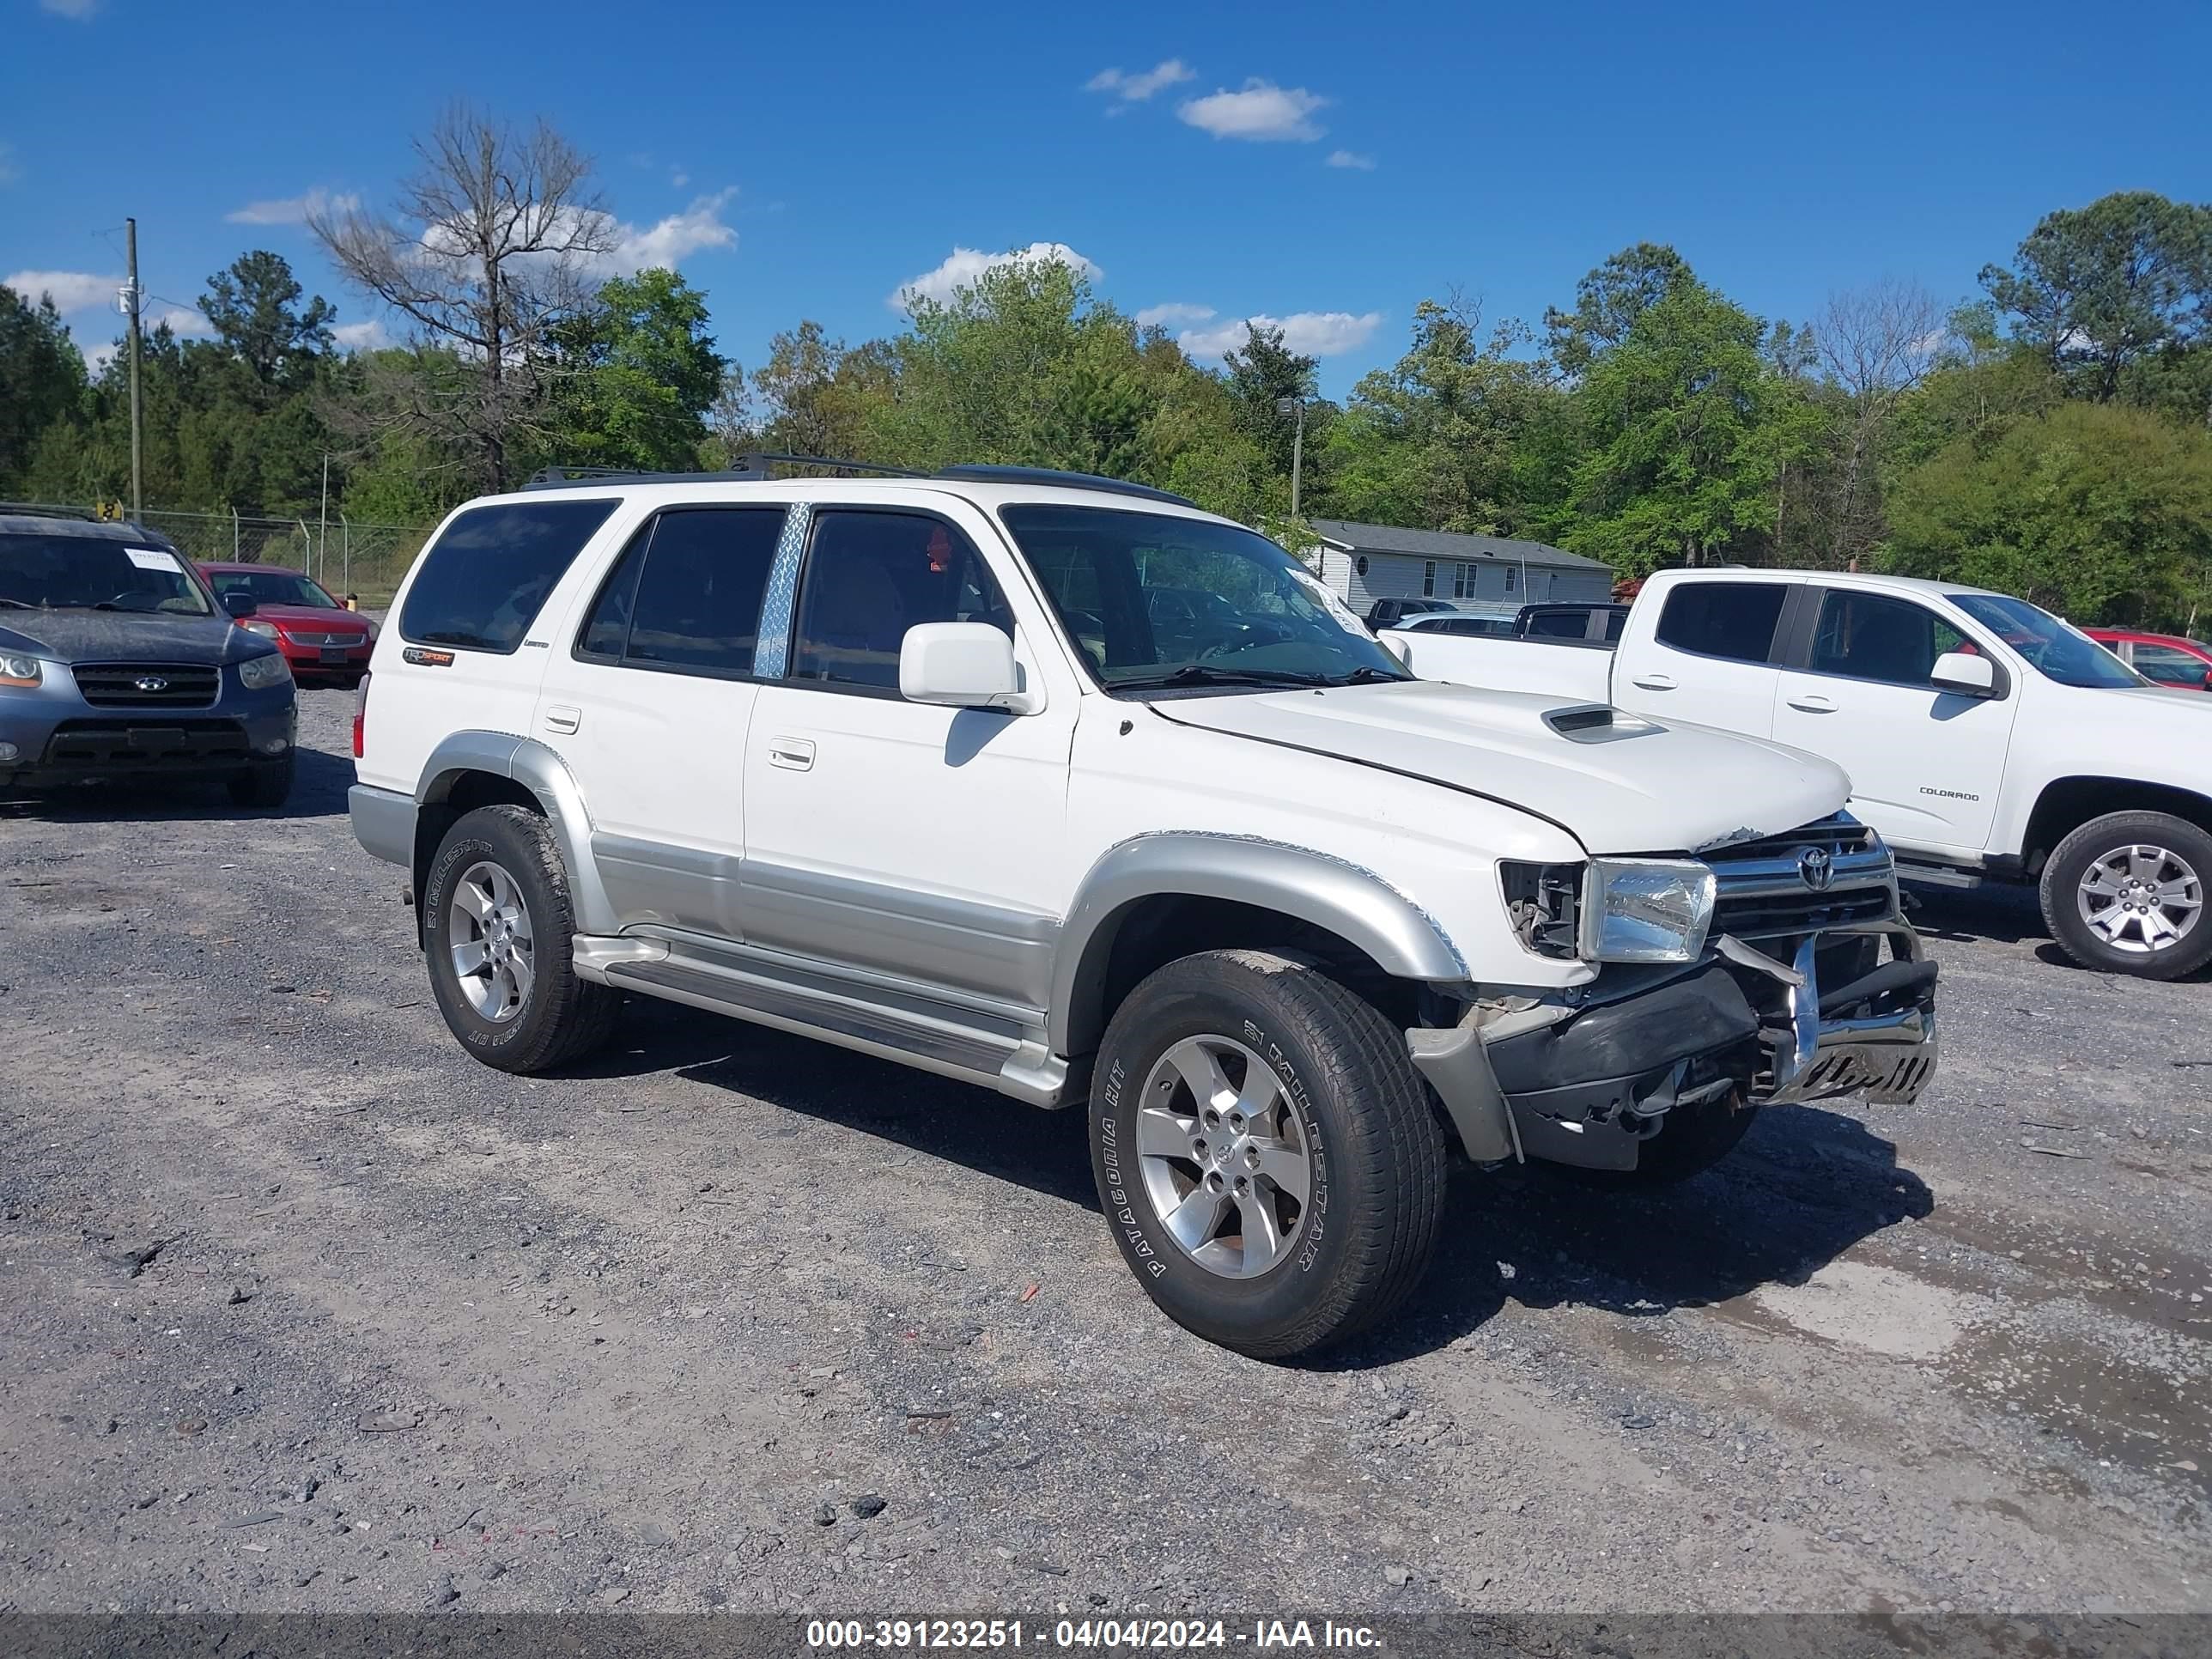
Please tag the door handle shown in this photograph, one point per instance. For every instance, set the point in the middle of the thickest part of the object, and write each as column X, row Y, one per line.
column 564, row 720
column 1812, row 703
column 793, row 754
column 1654, row 682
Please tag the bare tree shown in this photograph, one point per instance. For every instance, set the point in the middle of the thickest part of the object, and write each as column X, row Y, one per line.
column 494, row 240
column 1876, row 343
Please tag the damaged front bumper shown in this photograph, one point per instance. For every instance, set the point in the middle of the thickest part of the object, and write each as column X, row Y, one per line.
column 1851, row 1012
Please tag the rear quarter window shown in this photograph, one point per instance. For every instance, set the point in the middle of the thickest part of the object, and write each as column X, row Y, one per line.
column 482, row 581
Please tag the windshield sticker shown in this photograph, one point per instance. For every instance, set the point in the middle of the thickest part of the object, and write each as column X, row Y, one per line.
column 153, row 558
column 1325, row 596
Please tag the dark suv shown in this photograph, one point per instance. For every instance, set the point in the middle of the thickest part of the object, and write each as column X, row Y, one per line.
column 116, row 660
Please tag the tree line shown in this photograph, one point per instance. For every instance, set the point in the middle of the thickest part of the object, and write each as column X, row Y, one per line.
column 2052, row 437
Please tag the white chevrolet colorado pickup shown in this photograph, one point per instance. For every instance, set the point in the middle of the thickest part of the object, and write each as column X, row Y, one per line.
column 1066, row 788
column 1985, row 739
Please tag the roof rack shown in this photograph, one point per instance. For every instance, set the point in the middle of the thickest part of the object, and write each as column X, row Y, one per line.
column 41, row 510
column 759, row 466
column 1049, row 477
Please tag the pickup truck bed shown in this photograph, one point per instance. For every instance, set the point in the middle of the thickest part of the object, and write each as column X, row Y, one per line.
column 1581, row 671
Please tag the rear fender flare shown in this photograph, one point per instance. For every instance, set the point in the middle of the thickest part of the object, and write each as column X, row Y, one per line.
column 548, row 779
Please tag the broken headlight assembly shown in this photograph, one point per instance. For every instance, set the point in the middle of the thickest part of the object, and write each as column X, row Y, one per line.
column 1612, row 909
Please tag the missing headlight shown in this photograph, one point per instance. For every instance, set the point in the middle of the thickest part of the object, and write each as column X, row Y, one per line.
column 1543, row 901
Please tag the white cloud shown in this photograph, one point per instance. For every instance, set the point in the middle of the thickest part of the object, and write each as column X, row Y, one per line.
column 1345, row 158
column 361, row 336
column 678, row 178
column 1135, row 88
column 184, row 321
column 965, row 265
column 671, row 241
column 1309, row 333
column 97, row 357
column 292, row 209
column 1171, row 314
column 79, row 9
column 1262, row 112
column 72, row 290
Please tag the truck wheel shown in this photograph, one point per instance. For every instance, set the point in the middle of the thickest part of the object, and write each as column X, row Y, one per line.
column 265, row 785
column 496, row 923
column 1690, row 1142
column 2125, row 894
column 1264, row 1153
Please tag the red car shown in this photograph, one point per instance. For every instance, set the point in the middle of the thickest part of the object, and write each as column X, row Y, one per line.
column 324, row 642
column 2179, row 664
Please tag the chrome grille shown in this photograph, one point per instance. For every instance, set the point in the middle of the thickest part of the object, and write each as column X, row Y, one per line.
column 1769, row 887
column 147, row 685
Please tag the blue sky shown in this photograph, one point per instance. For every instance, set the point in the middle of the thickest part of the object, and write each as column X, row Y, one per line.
column 1327, row 165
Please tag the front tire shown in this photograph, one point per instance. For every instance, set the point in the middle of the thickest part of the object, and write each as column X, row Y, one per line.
column 1264, row 1153
column 2124, row 894
column 496, row 925
column 266, row 786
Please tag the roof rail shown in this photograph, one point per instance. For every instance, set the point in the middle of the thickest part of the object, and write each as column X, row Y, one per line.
column 42, row 510
column 759, row 466
column 1047, row 477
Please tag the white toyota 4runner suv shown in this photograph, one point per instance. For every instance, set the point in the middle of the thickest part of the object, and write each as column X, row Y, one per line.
column 1066, row 788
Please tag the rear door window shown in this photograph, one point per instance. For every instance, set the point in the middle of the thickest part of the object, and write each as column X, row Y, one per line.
column 1732, row 620
column 687, row 593
column 481, row 583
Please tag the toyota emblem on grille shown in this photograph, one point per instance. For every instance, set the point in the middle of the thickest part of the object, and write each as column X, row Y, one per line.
column 150, row 683
column 1815, row 868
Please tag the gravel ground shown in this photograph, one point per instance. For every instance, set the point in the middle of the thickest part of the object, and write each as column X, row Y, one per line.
column 305, row 1310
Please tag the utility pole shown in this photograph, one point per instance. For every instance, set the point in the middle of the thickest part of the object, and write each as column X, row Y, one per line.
column 137, row 430
column 1286, row 406
column 326, row 516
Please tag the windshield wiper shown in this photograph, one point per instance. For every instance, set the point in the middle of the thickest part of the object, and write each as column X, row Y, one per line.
column 1199, row 674
column 1365, row 675
column 22, row 604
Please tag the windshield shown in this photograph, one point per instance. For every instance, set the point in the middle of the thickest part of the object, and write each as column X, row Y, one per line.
column 88, row 573
column 274, row 588
column 2054, row 649
column 1155, row 600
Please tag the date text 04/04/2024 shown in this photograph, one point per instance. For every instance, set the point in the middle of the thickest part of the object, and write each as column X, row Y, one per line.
column 831, row 1635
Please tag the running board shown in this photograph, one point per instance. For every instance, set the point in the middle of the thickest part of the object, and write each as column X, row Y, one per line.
column 1938, row 875
column 945, row 1044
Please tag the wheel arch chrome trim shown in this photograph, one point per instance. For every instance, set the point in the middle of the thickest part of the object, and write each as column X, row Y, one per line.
column 1347, row 899
column 547, row 777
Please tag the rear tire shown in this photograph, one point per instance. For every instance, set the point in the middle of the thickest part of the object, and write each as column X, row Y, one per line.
column 1326, row 1167
column 266, row 786
column 2115, row 889
column 496, row 925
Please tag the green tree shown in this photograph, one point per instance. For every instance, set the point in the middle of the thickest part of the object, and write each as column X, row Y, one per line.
column 1686, row 427
column 2116, row 297
column 638, row 373
column 42, row 381
column 1432, row 442
column 1260, row 376
column 2101, row 513
column 1610, row 300
column 253, row 305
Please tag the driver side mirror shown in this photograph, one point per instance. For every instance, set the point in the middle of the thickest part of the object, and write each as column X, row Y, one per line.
column 1956, row 670
column 239, row 603
column 962, row 665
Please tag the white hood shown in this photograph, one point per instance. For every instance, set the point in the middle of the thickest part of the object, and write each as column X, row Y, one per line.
column 1641, row 787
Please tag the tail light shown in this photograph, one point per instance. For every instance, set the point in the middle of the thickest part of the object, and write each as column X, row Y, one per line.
column 360, row 715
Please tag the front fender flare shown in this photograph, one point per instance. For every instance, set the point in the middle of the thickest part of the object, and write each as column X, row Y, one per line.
column 547, row 777
column 1346, row 898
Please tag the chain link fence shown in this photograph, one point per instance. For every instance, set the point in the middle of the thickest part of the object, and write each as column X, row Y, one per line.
column 345, row 556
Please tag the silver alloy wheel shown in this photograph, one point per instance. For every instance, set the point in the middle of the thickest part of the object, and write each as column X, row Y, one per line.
column 488, row 931
column 1225, row 1159
column 2141, row 898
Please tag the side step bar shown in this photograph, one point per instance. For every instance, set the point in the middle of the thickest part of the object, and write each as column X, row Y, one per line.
column 1001, row 1059
column 1938, row 875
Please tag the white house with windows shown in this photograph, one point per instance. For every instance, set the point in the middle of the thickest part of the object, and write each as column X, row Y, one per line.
column 1364, row 562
